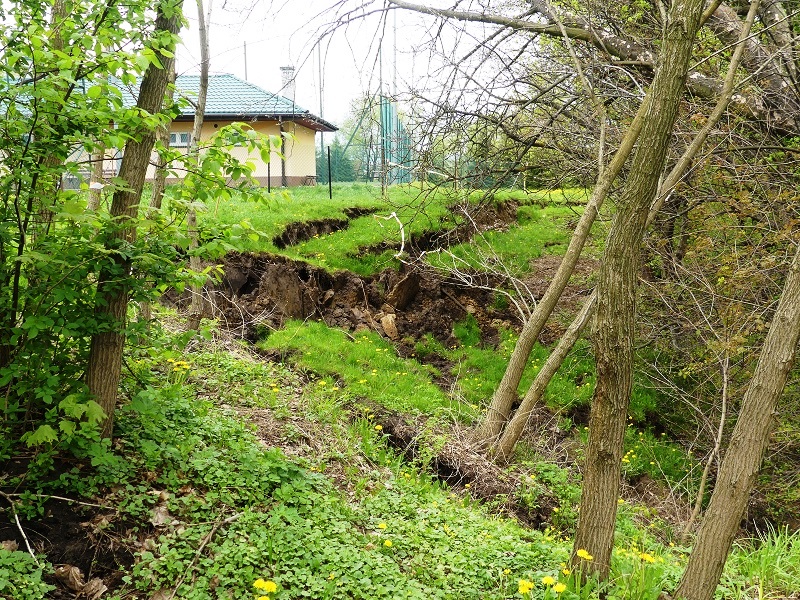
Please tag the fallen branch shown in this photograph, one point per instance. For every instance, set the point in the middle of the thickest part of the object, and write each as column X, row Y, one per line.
column 62, row 498
column 21, row 530
column 200, row 549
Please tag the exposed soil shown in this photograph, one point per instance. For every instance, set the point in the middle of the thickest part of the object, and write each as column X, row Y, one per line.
column 75, row 539
column 266, row 290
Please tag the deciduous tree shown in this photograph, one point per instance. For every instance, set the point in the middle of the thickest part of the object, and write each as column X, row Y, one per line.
column 105, row 357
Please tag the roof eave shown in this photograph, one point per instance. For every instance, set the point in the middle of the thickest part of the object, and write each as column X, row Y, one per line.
column 306, row 120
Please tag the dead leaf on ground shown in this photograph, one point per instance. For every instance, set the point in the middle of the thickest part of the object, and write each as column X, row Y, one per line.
column 160, row 516
column 95, row 589
column 71, row 577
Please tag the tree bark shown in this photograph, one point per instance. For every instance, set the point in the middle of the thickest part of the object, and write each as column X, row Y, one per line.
column 614, row 324
column 162, row 135
column 159, row 184
column 749, row 441
column 105, row 355
column 96, row 193
column 505, row 446
column 196, row 306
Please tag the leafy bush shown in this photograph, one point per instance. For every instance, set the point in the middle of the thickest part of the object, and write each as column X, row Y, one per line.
column 21, row 577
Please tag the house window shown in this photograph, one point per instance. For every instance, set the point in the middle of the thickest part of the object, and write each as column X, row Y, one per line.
column 179, row 140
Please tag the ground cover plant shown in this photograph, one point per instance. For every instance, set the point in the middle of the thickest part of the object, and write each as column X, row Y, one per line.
column 208, row 508
column 270, row 474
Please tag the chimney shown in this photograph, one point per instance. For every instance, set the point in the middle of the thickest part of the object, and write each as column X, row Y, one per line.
column 287, row 82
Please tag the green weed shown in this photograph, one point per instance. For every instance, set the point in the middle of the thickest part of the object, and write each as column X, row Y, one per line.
column 21, row 576
column 366, row 365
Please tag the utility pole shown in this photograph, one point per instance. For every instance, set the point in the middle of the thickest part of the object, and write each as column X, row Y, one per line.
column 383, row 120
column 321, row 95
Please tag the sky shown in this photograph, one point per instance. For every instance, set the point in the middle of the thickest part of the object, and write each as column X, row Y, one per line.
column 277, row 33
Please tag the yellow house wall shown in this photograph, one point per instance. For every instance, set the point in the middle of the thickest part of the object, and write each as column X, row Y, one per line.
column 300, row 153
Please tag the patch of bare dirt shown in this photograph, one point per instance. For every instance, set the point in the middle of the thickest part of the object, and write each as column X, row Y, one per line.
column 266, row 290
column 74, row 537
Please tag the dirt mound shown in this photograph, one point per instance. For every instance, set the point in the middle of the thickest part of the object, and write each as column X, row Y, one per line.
column 262, row 290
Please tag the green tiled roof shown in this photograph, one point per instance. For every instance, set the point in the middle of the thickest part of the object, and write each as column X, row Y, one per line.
column 229, row 95
column 232, row 98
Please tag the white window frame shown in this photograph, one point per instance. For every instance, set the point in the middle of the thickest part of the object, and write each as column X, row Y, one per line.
column 180, row 139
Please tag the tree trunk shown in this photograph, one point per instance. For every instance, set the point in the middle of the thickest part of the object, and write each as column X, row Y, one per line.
column 159, row 185
column 105, row 356
column 162, row 135
column 96, row 192
column 489, row 430
column 196, row 307
column 614, row 324
column 749, row 441
column 505, row 446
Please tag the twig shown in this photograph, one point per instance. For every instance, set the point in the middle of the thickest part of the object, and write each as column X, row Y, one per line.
column 62, row 498
column 200, row 549
column 21, row 530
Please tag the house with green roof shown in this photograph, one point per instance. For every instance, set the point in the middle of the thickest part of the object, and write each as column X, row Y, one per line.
column 230, row 99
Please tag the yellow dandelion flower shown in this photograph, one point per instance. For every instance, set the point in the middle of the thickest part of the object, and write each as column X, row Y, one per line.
column 566, row 571
column 525, row 586
column 547, row 580
column 388, row 543
column 381, row 525
column 506, row 571
column 263, row 598
column 559, row 587
column 332, row 576
column 583, row 554
column 268, row 586
column 378, row 427
column 649, row 558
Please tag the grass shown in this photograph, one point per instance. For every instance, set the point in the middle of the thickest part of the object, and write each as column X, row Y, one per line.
column 361, row 247
column 539, row 231
column 365, row 365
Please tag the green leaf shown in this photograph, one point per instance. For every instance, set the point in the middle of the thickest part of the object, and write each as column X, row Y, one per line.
column 43, row 435
column 95, row 91
column 94, row 412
